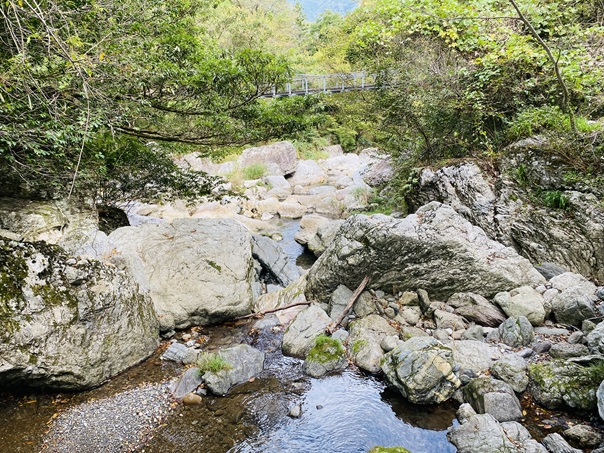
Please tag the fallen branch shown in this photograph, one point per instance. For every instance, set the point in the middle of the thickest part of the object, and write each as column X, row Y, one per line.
column 331, row 328
column 273, row 310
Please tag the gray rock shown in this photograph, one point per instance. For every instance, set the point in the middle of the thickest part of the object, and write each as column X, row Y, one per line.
column 273, row 258
column 542, row 347
column 584, row 435
column 595, row 339
column 338, row 301
column 280, row 158
column 65, row 333
column 244, row 362
column 365, row 340
column 513, row 370
column 424, row 300
column 326, row 356
column 389, row 343
column 600, row 399
column 576, row 338
column 516, row 332
column 587, row 326
column 300, row 335
column 446, row 320
column 523, row 301
column 573, row 306
column 179, row 353
column 567, row 350
column 562, row 384
column 472, row 355
column 465, row 412
column 476, row 308
column 308, row 173
column 481, row 433
column 296, row 411
column 555, row 443
column 422, row 369
column 326, row 233
column 187, row 383
column 364, row 305
column 600, row 293
column 520, row 435
column 431, row 249
column 550, row 270
column 491, row 396
column 568, row 280
column 474, row 332
column 197, row 271
column 378, row 172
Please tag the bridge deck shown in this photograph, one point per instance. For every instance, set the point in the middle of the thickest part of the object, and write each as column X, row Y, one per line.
column 304, row 85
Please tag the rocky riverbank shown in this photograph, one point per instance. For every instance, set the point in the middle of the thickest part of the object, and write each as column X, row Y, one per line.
column 445, row 308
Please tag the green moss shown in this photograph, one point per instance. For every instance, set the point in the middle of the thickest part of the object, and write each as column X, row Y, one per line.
column 389, row 450
column 214, row 265
column 326, row 349
column 358, row 345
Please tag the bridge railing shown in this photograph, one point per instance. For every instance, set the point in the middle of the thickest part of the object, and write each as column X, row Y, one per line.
column 304, row 84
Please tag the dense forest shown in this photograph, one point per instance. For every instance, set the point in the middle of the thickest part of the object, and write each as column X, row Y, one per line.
column 95, row 95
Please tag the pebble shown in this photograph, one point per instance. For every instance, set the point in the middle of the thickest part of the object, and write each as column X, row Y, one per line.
column 296, row 411
column 115, row 424
column 525, row 353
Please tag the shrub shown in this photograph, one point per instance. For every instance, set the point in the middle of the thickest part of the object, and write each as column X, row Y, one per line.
column 555, row 199
column 212, row 362
column 254, row 171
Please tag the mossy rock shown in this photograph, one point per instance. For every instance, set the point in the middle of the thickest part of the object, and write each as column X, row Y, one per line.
column 327, row 355
column 560, row 384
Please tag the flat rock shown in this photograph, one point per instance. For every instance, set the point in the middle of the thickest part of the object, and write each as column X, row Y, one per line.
column 244, row 362
column 300, row 335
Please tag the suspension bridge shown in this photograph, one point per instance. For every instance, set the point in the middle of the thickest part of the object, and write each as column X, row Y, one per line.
column 304, row 84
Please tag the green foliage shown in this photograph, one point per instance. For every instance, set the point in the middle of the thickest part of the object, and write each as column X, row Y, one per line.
column 254, row 171
column 555, row 199
column 521, row 175
column 211, row 362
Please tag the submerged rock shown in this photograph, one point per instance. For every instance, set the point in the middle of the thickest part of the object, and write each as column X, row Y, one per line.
column 68, row 326
column 242, row 363
column 435, row 249
column 197, row 271
column 422, row 369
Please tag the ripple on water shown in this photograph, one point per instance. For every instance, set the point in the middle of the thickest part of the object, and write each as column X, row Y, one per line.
column 346, row 413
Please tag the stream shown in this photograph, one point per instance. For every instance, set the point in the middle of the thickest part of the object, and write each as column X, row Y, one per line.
column 347, row 413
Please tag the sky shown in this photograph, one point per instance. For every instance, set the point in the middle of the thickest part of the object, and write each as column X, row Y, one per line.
column 313, row 8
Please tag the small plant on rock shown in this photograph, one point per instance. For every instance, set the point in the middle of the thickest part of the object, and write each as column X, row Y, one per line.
column 326, row 349
column 555, row 199
column 212, row 362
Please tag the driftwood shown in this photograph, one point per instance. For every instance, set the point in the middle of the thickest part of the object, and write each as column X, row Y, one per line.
column 331, row 328
column 273, row 310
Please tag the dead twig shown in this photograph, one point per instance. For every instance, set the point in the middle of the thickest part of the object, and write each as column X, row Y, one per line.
column 331, row 328
column 273, row 310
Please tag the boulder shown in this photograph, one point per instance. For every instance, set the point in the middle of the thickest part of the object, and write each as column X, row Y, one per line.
column 513, row 370
column 289, row 295
column 325, row 235
column 300, row 336
column 435, row 249
column 573, row 306
column 309, row 225
column 491, row 396
column 560, row 384
column 378, row 172
column 197, row 271
column 566, row 350
column 243, row 363
column 477, row 356
column 523, row 301
column 422, row 369
column 66, row 323
column 187, row 383
column 584, row 435
column 568, row 280
column 446, row 320
column 274, row 259
column 365, row 340
column 476, row 308
column 308, row 173
column 516, row 332
column 280, row 158
column 326, row 356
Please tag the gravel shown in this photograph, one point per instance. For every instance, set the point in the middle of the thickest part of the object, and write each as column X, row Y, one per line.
column 120, row 423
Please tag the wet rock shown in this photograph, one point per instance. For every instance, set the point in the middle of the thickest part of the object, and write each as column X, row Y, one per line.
column 430, row 249
column 179, row 353
column 476, row 308
column 191, row 399
column 326, row 356
column 280, row 158
column 296, row 411
column 491, row 396
column 243, row 362
column 555, row 443
column 365, row 340
column 560, row 384
column 63, row 333
column 584, row 435
column 197, row 271
column 516, row 332
column 567, row 350
column 523, row 301
column 187, row 383
column 422, row 369
column 273, row 258
column 513, row 370
column 300, row 335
